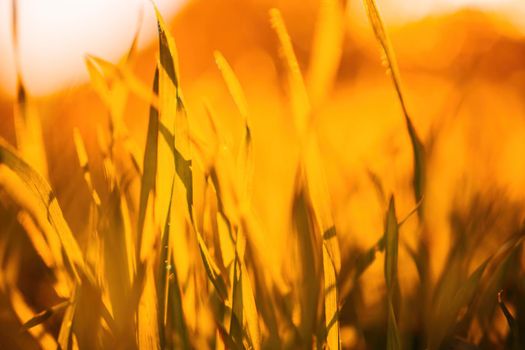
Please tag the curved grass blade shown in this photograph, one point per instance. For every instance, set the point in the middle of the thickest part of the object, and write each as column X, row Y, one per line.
column 513, row 324
column 49, row 204
column 297, row 89
column 489, row 296
column 100, row 70
column 418, row 149
column 245, row 161
column 233, row 84
column 445, row 317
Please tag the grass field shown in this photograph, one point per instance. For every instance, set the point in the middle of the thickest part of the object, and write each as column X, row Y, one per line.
column 278, row 208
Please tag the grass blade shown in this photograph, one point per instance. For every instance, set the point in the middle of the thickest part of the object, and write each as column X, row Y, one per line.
column 319, row 197
column 84, row 164
column 170, row 316
column 42, row 316
column 391, row 276
column 64, row 334
column 298, row 94
column 446, row 316
column 48, row 203
column 244, row 160
column 418, row 149
column 327, row 49
column 149, row 174
column 513, row 324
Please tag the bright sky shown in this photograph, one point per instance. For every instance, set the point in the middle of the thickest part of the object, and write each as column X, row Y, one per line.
column 413, row 9
column 56, row 34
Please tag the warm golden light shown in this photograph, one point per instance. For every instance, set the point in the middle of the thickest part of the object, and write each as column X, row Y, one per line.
column 265, row 174
column 55, row 36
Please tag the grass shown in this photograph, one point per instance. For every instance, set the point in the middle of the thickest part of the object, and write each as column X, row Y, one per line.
column 173, row 258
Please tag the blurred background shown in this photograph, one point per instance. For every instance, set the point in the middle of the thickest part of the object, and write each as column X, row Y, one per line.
column 462, row 63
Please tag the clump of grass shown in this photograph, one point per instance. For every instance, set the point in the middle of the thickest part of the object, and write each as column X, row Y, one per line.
column 164, row 268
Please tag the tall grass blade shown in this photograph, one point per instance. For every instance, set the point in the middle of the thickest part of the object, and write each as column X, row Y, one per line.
column 311, row 162
column 298, row 94
column 242, row 290
column 327, row 49
column 391, row 276
column 250, row 309
column 244, row 160
column 149, row 172
column 180, row 128
column 418, row 149
column 64, row 334
column 173, row 330
column 305, row 246
column 236, row 322
column 233, row 84
column 147, row 317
